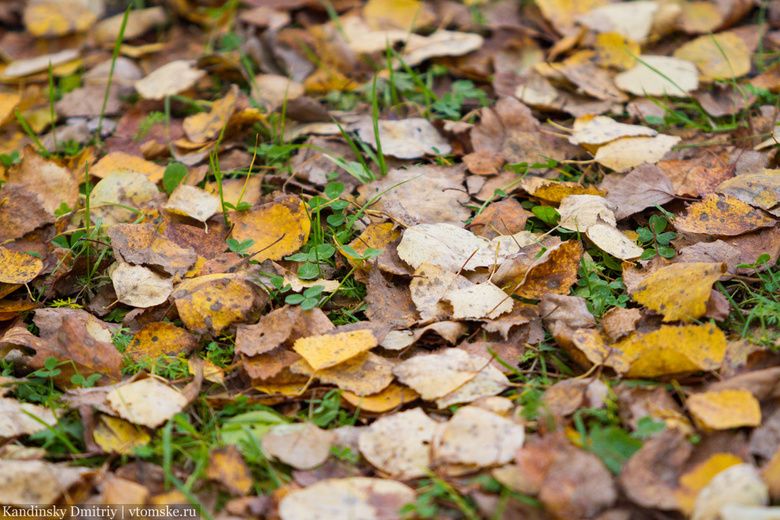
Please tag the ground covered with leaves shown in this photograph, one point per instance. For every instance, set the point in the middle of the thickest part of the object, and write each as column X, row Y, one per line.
column 293, row 259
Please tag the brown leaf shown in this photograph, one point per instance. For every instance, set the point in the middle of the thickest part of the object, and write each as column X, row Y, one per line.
column 645, row 186
column 505, row 217
column 388, row 303
column 142, row 244
column 649, row 478
column 21, row 211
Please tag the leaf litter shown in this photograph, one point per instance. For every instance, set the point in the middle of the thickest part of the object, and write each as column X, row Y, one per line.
column 367, row 265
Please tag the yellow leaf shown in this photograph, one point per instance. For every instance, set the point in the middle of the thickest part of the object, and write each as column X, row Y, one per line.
column 50, row 18
column 615, row 50
column 697, row 478
column 278, row 228
column 161, row 339
column 679, row 291
column 718, row 56
column 206, row 126
column 211, row 372
column 674, row 350
column 227, row 466
column 328, row 350
column 396, row 14
column 363, row 374
column 628, row 152
column 391, row 398
column 8, row 102
column 553, row 272
column 116, row 435
column 563, row 13
column 719, row 215
column 375, row 235
column 725, row 409
column 18, row 268
column 666, row 351
column 213, row 305
column 555, row 191
column 125, row 162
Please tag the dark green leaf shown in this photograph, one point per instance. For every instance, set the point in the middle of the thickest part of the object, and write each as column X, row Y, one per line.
column 175, row 172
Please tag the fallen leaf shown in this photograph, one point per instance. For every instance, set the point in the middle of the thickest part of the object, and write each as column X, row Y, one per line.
column 452, row 248
column 119, row 188
column 616, row 51
column 18, row 268
column 649, row 478
column 208, row 304
column 301, row 445
column 679, row 291
column 579, row 212
column 555, row 191
column 555, row 271
column 724, row 409
column 487, row 382
column 429, row 194
column 589, row 130
column 204, row 127
column 139, row 286
column 227, row 466
column 52, row 184
column 437, row 44
column 36, row 482
column 483, row 300
column 139, row 21
column 659, row 76
column 172, row 78
column 405, row 139
column 143, row 244
column 22, row 211
column 718, row 56
column 278, row 228
column 357, row 498
column 329, row 350
column 121, row 161
column 363, row 374
column 391, row 398
column 400, row 444
column 193, row 202
column 761, row 190
column 436, row 375
column 115, row 435
column 563, row 13
column 666, row 351
column 505, row 217
column 696, row 479
column 632, row 21
column 722, row 215
column 643, row 187
column 17, row 419
column 630, row 152
column 147, row 402
column 740, row 484
column 478, row 438
column 26, row 67
column 51, row 18
column 161, row 339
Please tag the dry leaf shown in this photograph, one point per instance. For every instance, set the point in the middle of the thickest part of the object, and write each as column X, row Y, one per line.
column 724, row 409
column 139, row 286
column 391, row 398
column 227, row 466
column 720, row 56
column 356, row 498
column 35, row 482
column 172, row 78
column 301, row 445
column 400, row 444
column 121, row 188
column 589, row 130
column 693, row 481
column 630, row 152
column 147, row 402
column 278, row 228
column 193, row 202
column 161, row 339
column 478, row 438
column 644, row 187
column 208, row 304
column 17, row 418
column 659, row 76
column 329, row 350
column 632, row 21
column 736, row 485
column 362, row 374
column 18, row 268
column 761, row 190
column 722, row 216
column 115, row 435
column 679, row 291
column 437, row 375
column 406, row 139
